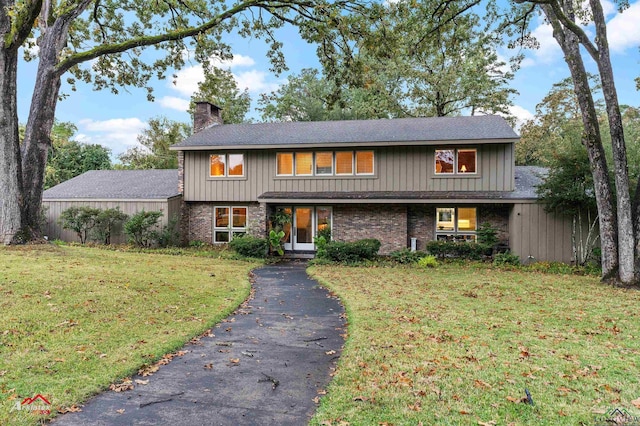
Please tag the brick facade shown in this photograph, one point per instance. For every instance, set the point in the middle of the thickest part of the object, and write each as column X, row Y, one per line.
column 498, row 216
column 385, row 222
column 421, row 220
column 393, row 224
column 198, row 223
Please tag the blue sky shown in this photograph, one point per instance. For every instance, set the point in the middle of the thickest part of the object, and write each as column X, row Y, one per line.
column 115, row 120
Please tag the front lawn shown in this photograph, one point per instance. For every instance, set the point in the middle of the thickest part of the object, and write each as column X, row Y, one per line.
column 460, row 344
column 75, row 319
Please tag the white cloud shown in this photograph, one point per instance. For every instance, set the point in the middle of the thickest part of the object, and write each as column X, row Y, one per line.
column 608, row 7
column 237, row 61
column 623, row 31
column 118, row 134
column 549, row 49
column 521, row 114
column 187, row 79
column 172, row 102
column 255, row 81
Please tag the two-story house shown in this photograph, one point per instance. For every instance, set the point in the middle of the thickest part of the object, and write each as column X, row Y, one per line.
column 394, row 180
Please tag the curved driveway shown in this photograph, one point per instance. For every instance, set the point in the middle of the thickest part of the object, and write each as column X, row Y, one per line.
column 265, row 365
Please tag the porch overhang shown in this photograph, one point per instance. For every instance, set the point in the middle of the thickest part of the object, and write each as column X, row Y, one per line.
column 395, row 197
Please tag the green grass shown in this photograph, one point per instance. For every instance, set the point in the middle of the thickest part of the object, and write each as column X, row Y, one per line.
column 459, row 344
column 73, row 320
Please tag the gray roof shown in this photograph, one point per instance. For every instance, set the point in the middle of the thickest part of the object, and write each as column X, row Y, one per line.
column 527, row 178
column 118, row 184
column 395, row 131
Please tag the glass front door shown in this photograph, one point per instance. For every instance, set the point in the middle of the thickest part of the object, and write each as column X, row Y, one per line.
column 303, row 228
column 306, row 223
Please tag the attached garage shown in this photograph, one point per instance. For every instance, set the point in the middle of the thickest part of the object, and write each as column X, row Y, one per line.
column 130, row 190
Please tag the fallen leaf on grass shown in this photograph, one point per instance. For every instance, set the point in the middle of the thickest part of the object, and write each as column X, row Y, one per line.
column 516, row 400
column 636, row 403
column 464, row 412
column 481, row 384
column 72, row 409
column 148, row 370
column 361, row 398
column 316, row 400
column 489, row 423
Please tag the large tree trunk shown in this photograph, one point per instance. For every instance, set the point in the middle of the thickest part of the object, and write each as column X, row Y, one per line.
column 37, row 141
column 636, row 222
column 626, row 241
column 10, row 173
column 569, row 43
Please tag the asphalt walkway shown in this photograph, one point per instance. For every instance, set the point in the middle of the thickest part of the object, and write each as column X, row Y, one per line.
column 265, row 364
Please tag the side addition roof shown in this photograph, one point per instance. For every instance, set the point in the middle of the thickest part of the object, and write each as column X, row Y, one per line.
column 401, row 131
column 117, row 185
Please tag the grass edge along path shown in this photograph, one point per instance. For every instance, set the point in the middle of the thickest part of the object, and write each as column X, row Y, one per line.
column 459, row 345
column 74, row 320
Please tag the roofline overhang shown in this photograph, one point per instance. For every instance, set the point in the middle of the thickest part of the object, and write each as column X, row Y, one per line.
column 119, row 200
column 396, row 201
column 342, row 144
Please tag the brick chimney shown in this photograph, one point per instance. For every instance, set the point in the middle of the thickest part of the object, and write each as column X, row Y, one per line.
column 206, row 115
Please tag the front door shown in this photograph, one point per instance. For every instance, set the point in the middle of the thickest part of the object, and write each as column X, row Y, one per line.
column 303, row 234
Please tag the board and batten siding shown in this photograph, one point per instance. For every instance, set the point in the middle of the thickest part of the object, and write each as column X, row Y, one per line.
column 408, row 168
column 54, row 208
column 535, row 235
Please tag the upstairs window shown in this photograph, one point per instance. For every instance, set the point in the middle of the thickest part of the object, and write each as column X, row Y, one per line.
column 364, row 162
column 226, row 165
column 325, row 163
column 344, row 163
column 455, row 161
column 284, row 164
column 304, row 163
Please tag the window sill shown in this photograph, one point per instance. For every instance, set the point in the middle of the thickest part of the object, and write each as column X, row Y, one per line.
column 225, row 178
column 457, row 176
column 326, row 177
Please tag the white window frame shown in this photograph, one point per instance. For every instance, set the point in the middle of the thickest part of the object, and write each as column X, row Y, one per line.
column 315, row 163
column 455, row 162
column 455, row 233
column 293, row 163
column 230, row 229
column 225, row 155
column 355, row 161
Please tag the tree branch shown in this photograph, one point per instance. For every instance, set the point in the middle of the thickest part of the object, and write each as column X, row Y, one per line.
column 568, row 23
column 151, row 40
column 22, row 23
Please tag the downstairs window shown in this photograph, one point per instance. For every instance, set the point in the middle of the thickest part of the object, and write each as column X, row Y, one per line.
column 456, row 223
column 229, row 222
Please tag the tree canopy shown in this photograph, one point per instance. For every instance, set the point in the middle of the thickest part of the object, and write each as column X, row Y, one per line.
column 426, row 58
column 104, row 43
column 155, row 140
